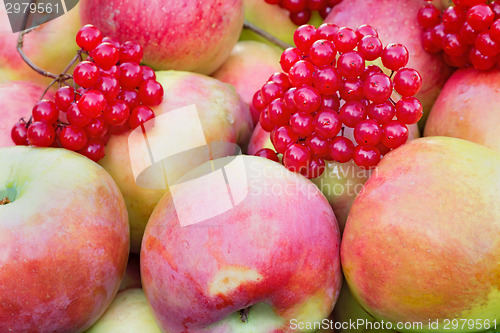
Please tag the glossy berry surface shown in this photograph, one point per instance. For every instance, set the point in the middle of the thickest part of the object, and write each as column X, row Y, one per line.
column 72, row 138
column 88, row 37
column 41, row 134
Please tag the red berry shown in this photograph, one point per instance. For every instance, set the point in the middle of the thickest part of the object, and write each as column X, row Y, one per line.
column 140, row 115
column 302, row 124
column 456, row 61
column 265, row 122
column 282, row 137
column 327, row 80
column 315, row 169
column 352, row 113
column 41, row 134
column 63, row 98
column 453, row 19
column 304, row 37
column 495, row 7
column 76, row 117
column 370, row 47
column 470, row 3
column 130, row 75
column 72, row 138
column 45, row 110
column 116, row 113
column 258, row 102
column 301, row 73
column 351, row 89
column 486, row 45
column 150, row 93
column 453, row 45
column 272, row 2
column 131, row 52
column 331, row 102
column 341, row 149
column 467, row 34
column 293, row 5
column 93, row 150
column 86, row 74
column 327, row 31
column 480, row 61
column 105, row 55
column 351, row 64
column 395, row 56
column 428, row 16
column 377, row 87
column 428, row 42
column 269, row 154
column 278, row 114
column 270, row 91
column 88, row 37
column 322, row 52
column 366, row 157
column 297, row 158
column 382, row 113
column 307, row 99
column 281, row 79
column 409, row 110
column 19, row 134
column 130, row 97
column 97, row 128
column 315, row 4
column 345, row 39
column 112, row 41
column 318, row 146
column 394, row 134
column 109, row 86
column 366, row 30
column 495, row 31
column 480, row 17
column 289, row 57
column 148, row 73
column 113, row 71
column 300, row 18
column 324, row 12
column 92, row 103
column 369, row 71
column 367, row 132
column 327, row 123
column 437, row 34
column 407, row 82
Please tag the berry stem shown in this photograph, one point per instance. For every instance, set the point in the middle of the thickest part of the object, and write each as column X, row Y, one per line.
column 4, row 201
column 264, row 34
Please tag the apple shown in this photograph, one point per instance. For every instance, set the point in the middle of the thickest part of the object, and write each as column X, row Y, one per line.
column 248, row 67
column 187, row 35
column 224, row 117
column 128, row 313
column 18, row 99
column 269, row 258
column 340, row 182
column 65, row 240
column 396, row 22
column 272, row 19
column 132, row 277
column 50, row 46
column 466, row 108
column 421, row 240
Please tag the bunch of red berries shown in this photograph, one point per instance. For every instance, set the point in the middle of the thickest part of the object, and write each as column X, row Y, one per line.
column 468, row 33
column 115, row 93
column 301, row 10
column 328, row 91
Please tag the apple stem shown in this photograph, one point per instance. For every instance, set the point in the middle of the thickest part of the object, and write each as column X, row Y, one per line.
column 264, row 34
column 4, row 201
column 244, row 314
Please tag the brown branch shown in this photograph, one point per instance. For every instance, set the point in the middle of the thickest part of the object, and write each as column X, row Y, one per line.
column 264, row 34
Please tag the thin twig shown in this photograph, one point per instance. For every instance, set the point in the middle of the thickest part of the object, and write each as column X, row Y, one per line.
column 20, row 42
column 264, row 34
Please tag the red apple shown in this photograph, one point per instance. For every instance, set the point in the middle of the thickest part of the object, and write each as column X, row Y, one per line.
column 396, row 22
column 467, row 108
column 18, row 99
column 421, row 243
column 188, row 35
column 248, row 67
column 50, row 46
column 224, row 117
column 64, row 237
column 273, row 254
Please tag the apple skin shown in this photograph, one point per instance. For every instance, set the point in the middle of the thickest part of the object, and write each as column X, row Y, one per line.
column 340, row 182
column 18, row 99
column 188, row 35
column 427, row 222
column 128, row 313
column 395, row 21
column 248, row 68
column 51, row 47
column 224, row 117
column 467, row 108
column 263, row 254
column 64, row 237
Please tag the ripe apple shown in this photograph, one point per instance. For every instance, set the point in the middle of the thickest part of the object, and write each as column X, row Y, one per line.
column 51, row 47
column 270, row 258
column 273, row 19
column 395, row 21
column 340, row 182
column 224, row 117
column 248, row 67
column 421, row 240
column 18, row 99
column 467, row 108
column 64, row 237
column 188, row 35
column 128, row 313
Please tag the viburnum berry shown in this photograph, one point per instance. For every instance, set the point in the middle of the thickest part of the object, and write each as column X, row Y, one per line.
column 140, row 115
column 270, row 91
column 278, row 113
column 297, row 158
column 301, row 17
column 45, row 110
column 377, row 87
column 307, row 99
column 370, row 47
column 292, row 5
column 351, row 64
column 341, row 149
column 327, row 80
column 304, row 37
column 130, row 97
column 345, row 39
column 150, row 92
column 88, row 37
column 352, row 112
column 366, row 157
column 322, row 52
column 289, row 58
column 327, row 123
column 300, row 11
column 131, row 52
column 105, row 55
column 407, row 82
column 148, row 73
column 94, row 150
column 366, row 30
column 395, row 56
column 72, row 138
column 269, row 154
column 367, row 132
column 92, row 103
column 301, row 73
column 428, row 16
column 282, row 137
column 327, row 31
column 116, row 113
column 302, row 124
column 41, row 133
column 281, row 79
column 409, row 110
column 351, row 89
column 63, row 98
column 318, row 146
column 130, row 75
column 480, row 17
column 109, row 87
column 316, row 168
column 86, row 74
column 19, row 134
column 97, row 128
column 76, row 117
column 394, row 134
column 382, row 113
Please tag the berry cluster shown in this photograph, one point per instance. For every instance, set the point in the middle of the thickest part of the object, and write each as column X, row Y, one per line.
column 301, row 10
column 328, row 89
column 115, row 93
column 467, row 33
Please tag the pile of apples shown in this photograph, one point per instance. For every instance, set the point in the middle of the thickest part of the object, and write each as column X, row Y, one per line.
column 171, row 229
